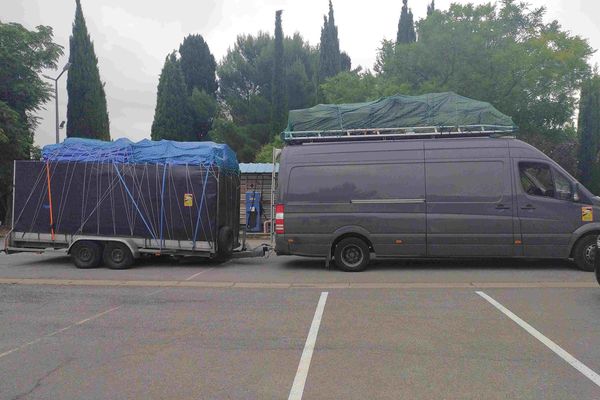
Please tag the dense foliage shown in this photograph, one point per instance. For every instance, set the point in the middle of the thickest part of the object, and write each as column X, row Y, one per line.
column 173, row 118
column 198, row 66
column 278, row 97
column 87, row 114
column 504, row 54
column 406, row 25
column 23, row 55
column 589, row 134
column 246, row 77
column 330, row 62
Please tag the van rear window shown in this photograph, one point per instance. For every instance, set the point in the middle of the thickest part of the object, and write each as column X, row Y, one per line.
column 469, row 181
column 343, row 183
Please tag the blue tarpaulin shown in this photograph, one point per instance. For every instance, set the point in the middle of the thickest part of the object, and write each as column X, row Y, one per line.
column 144, row 152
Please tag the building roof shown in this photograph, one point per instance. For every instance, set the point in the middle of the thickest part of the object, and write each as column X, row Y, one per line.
column 258, row 168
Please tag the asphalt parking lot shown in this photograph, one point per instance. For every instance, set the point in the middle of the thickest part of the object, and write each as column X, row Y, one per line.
column 285, row 327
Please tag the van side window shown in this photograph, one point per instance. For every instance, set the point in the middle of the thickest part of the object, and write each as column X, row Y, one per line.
column 536, row 179
column 563, row 187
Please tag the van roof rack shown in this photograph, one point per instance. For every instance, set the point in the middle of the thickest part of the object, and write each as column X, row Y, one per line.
column 362, row 134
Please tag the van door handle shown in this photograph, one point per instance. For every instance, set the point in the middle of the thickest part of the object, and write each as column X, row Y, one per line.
column 528, row 207
column 502, row 207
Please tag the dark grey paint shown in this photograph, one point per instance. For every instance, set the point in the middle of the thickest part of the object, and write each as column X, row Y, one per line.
column 439, row 197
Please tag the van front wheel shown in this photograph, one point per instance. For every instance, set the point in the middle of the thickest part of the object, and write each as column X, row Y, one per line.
column 352, row 255
column 584, row 253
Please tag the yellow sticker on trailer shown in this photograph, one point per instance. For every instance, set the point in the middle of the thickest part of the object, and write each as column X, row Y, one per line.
column 587, row 214
column 188, row 200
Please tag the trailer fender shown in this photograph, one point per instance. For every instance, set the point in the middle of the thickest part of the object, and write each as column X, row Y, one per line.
column 129, row 243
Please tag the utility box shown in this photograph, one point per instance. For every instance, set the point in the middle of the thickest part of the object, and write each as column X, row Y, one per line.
column 253, row 212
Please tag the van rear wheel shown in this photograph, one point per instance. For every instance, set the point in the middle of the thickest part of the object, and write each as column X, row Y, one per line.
column 352, row 255
column 584, row 253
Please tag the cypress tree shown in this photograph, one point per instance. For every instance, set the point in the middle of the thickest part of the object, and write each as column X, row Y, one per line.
column 330, row 63
column 198, row 65
column 431, row 8
column 172, row 117
column 87, row 114
column 589, row 129
column 278, row 97
column 346, row 61
column 406, row 27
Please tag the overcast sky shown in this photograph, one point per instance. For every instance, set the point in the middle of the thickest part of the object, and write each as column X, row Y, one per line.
column 132, row 38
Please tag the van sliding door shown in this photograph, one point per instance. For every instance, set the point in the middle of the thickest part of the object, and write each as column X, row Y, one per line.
column 469, row 208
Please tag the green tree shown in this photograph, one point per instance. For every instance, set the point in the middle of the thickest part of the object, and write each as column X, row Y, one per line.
column 330, row 63
column 203, row 108
column 346, row 61
column 246, row 87
column 589, row 132
column 172, row 117
column 23, row 55
column 198, row 65
column 431, row 8
column 87, row 114
column 278, row 98
column 406, row 27
column 504, row 54
column 199, row 70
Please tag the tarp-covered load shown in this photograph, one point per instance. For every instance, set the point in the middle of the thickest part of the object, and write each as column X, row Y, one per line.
column 168, row 195
column 399, row 111
column 144, row 152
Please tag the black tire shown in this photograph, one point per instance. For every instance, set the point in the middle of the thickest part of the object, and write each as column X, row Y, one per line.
column 224, row 244
column 86, row 254
column 117, row 255
column 352, row 255
column 584, row 253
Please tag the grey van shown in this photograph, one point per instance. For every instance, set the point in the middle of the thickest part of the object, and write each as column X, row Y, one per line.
column 455, row 197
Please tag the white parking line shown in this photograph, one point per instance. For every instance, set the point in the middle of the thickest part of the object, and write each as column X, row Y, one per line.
column 309, row 346
column 575, row 363
column 199, row 273
column 83, row 321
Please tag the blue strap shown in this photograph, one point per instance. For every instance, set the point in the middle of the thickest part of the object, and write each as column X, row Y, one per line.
column 200, row 209
column 162, row 206
column 133, row 201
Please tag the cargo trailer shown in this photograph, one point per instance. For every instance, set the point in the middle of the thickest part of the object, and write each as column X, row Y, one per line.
column 112, row 202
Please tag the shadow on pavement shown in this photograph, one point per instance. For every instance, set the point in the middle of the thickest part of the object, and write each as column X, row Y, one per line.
column 444, row 264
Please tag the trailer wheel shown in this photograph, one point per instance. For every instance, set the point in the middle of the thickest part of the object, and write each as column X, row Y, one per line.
column 117, row 256
column 352, row 255
column 224, row 243
column 86, row 254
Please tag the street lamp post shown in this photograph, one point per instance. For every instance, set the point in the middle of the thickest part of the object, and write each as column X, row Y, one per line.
column 65, row 68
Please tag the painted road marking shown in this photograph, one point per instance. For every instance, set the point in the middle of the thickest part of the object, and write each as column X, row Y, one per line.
column 83, row 321
column 309, row 346
column 575, row 363
column 199, row 273
column 297, row 285
column 66, row 328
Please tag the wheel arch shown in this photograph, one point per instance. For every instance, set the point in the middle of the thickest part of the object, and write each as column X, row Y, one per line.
column 350, row 231
column 586, row 230
column 135, row 252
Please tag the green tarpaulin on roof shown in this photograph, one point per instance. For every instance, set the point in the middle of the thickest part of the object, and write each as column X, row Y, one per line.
column 399, row 111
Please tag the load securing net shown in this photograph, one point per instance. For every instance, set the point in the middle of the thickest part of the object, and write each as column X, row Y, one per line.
column 172, row 193
column 399, row 111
